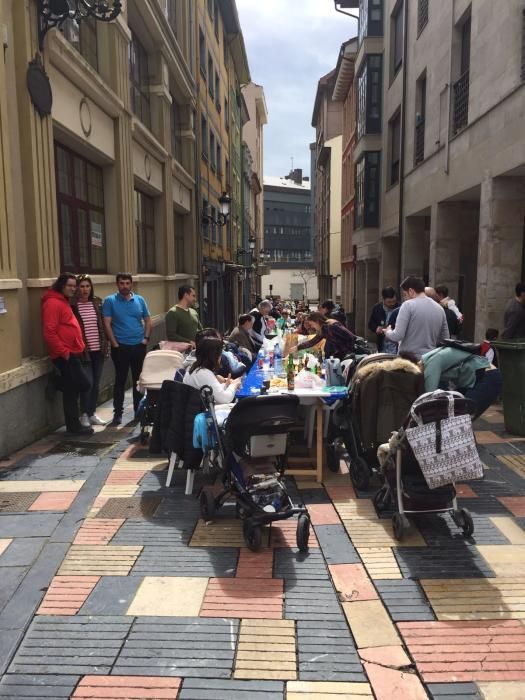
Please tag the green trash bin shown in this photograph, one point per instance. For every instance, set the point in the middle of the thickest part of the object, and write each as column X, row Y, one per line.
column 511, row 355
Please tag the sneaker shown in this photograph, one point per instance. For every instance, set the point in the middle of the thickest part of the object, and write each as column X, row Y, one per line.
column 84, row 420
column 95, row 420
column 117, row 419
column 81, row 430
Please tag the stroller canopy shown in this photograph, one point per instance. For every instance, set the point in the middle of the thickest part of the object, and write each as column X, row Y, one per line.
column 158, row 366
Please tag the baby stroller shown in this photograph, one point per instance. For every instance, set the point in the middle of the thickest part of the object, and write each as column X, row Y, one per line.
column 405, row 487
column 252, row 450
column 384, row 388
column 158, row 366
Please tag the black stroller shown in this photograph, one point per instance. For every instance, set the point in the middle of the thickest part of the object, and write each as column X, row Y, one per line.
column 395, row 378
column 252, row 451
column 404, row 486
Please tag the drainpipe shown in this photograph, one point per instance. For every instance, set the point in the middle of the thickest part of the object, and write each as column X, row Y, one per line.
column 401, row 223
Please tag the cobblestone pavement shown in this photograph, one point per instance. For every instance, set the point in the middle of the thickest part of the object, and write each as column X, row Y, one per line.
column 111, row 586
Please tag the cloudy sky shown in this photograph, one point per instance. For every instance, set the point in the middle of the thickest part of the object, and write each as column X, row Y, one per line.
column 290, row 45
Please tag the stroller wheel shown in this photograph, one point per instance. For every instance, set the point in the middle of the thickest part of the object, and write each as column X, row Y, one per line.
column 400, row 524
column 303, row 532
column 382, row 500
column 332, row 456
column 463, row 519
column 207, row 505
column 359, row 473
column 253, row 536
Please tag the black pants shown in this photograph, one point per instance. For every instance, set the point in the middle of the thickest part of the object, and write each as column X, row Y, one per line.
column 127, row 357
column 74, row 381
column 88, row 399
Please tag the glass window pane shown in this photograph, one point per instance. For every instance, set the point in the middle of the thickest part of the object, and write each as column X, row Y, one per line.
column 68, row 258
column 95, row 186
column 98, row 240
column 83, row 238
column 64, row 180
column 80, row 179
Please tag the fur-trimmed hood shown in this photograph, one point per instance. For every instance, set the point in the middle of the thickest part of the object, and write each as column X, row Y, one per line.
column 397, row 364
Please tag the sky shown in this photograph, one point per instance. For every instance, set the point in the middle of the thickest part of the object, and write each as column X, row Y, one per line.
column 290, row 45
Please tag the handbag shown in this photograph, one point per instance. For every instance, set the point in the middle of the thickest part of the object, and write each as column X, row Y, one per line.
column 445, row 449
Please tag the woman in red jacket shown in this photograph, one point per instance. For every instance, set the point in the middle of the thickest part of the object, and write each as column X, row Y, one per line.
column 66, row 347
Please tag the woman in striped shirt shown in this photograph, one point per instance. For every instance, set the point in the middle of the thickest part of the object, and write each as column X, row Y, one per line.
column 87, row 310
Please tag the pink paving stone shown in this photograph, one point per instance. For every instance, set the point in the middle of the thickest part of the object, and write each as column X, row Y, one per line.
column 337, row 492
column 516, row 505
column 352, row 582
column 390, row 684
column 67, row 594
column 98, row 530
column 54, row 500
column 125, row 477
column 464, row 491
column 323, row 514
column 255, row 564
column 129, row 687
column 244, row 598
column 393, row 656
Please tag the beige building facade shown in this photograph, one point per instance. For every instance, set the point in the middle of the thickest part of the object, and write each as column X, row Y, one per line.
column 109, row 181
column 440, row 151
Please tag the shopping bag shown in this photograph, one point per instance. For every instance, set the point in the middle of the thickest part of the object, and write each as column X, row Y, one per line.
column 445, row 449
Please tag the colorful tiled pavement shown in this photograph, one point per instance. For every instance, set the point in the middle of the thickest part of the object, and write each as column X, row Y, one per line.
column 112, row 587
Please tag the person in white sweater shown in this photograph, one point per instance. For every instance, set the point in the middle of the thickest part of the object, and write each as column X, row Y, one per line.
column 202, row 372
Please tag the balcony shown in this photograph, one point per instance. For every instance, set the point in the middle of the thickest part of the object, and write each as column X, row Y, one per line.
column 460, row 108
column 419, row 146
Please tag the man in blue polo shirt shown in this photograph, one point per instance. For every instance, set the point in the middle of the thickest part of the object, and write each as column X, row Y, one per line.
column 127, row 322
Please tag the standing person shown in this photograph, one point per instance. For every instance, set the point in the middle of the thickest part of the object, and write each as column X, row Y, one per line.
column 421, row 324
column 381, row 317
column 241, row 334
column 454, row 326
column 339, row 340
column 260, row 316
column 88, row 311
column 66, row 347
column 448, row 303
column 329, row 309
column 127, row 323
column 182, row 320
column 514, row 317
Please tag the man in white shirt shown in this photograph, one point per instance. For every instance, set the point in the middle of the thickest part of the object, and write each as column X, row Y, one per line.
column 421, row 324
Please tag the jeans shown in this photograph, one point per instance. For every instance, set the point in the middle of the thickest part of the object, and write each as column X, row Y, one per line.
column 74, row 381
column 93, row 369
column 127, row 357
column 485, row 391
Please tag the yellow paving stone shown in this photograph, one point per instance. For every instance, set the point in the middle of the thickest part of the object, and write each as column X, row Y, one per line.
column 504, row 559
column 261, row 651
column 169, row 596
column 379, row 533
column 4, row 544
column 370, row 624
column 355, row 509
column 149, row 464
column 488, row 437
column 118, row 490
column 515, row 462
column 502, row 690
column 97, row 560
column 331, row 690
column 512, row 531
column 500, row 598
column 220, row 533
column 380, row 562
column 41, row 486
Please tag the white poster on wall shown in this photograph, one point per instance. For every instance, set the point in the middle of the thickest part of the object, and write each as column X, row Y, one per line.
column 96, row 235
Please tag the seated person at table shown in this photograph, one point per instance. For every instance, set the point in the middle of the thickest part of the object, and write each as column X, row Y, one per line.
column 241, row 334
column 230, row 364
column 203, row 371
column 339, row 340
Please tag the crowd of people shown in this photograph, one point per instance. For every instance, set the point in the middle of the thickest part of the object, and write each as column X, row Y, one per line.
column 81, row 331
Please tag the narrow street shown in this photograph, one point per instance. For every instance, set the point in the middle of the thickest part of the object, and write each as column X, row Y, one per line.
column 112, row 587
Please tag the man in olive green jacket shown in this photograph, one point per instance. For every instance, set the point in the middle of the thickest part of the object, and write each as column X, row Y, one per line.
column 182, row 321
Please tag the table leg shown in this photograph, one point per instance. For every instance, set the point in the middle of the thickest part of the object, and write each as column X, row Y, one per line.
column 320, row 447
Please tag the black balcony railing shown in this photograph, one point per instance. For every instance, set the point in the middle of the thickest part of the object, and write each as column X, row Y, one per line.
column 461, row 93
column 420, row 142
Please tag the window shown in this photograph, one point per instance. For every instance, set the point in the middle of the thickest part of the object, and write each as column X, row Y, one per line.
column 176, row 138
column 225, row 48
column 219, row 160
column 178, row 229
column 217, row 92
column 213, row 214
column 366, row 211
column 172, row 15
column 421, row 108
column 210, row 8
column 216, row 19
column 369, row 96
column 139, row 81
column 205, row 224
column 210, row 74
column 226, row 115
column 422, row 15
column 227, row 172
column 80, row 203
column 145, row 227
column 461, row 87
column 370, row 18
column 204, row 138
column 213, row 152
column 397, row 37
column 202, row 54
column 83, row 36
column 523, row 52
column 395, row 147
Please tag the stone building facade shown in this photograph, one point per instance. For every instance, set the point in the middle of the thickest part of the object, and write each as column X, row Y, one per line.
column 440, row 151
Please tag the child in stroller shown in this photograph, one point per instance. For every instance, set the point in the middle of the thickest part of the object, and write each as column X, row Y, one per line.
column 252, row 451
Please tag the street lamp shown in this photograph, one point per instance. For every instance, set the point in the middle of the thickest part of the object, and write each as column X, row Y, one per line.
column 224, row 214
column 264, row 255
column 53, row 13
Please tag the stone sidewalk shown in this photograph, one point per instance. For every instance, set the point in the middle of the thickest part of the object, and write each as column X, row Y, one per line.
column 111, row 586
